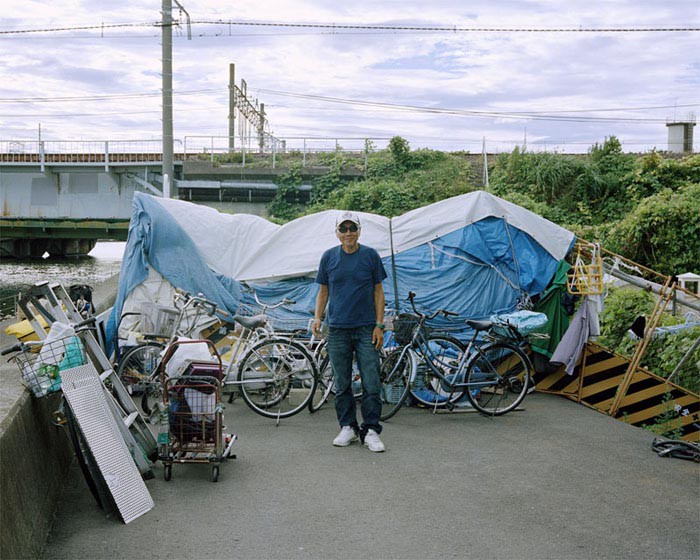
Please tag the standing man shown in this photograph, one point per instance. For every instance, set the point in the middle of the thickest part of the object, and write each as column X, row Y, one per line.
column 350, row 277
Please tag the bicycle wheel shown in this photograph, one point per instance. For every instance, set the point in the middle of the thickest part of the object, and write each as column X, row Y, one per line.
column 445, row 355
column 138, row 364
column 86, row 461
column 277, row 377
column 394, row 373
column 497, row 376
column 152, row 393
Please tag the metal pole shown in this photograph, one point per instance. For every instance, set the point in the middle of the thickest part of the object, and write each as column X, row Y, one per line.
column 261, row 129
column 486, row 164
column 303, row 157
column 231, row 107
column 167, row 54
column 366, row 154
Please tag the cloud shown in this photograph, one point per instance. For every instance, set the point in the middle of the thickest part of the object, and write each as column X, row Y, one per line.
column 506, row 71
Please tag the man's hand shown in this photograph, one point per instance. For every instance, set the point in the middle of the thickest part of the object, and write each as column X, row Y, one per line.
column 316, row 328
column 377, row 337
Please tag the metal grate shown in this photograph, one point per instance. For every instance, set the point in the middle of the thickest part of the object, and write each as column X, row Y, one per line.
column 83, row 390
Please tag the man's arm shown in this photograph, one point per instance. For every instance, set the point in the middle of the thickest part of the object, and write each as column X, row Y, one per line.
column 378, row 333
column 321, row 302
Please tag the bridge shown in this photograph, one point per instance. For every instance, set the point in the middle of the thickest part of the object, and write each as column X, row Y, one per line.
column 61, row 197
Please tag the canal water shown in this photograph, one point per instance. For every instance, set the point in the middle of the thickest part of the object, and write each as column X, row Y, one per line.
column 103, row 262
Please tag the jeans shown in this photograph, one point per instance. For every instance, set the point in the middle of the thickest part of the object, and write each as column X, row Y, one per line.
column 342, row 345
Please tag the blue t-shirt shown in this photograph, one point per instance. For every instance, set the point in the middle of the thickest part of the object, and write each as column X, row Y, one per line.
column 351, row 279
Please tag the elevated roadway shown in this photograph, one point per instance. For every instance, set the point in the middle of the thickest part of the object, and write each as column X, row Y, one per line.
column 62, row 202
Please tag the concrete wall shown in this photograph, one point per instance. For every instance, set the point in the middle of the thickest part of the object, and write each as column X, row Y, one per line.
column 34, row 454
column 35, row 457
column 27, row 193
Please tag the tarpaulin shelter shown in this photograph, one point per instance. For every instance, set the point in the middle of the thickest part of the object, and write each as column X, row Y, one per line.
column 474, row 254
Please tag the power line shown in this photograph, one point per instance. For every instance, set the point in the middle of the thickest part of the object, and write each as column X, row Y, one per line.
column 83, row 27
column 453, row 29
column 461, row 112
column 375, row 104
column 107, row 97
column 371, row 27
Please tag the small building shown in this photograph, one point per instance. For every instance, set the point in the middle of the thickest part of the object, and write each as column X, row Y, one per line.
column 689, row 281
column 680, row 134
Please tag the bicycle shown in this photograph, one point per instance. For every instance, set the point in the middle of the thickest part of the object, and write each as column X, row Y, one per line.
column 326, row 383
column 445, row 349
column 275, row 375
column 494, row 377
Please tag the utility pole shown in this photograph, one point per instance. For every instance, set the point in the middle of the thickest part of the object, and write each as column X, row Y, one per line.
column 167, row 54
column 167, row 71
column 231, row 107
column 486, row 163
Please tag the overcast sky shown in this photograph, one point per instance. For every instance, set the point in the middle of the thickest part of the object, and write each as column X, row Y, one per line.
column 644, row 77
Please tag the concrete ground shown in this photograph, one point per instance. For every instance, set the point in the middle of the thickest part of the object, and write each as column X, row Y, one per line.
column 556, row 480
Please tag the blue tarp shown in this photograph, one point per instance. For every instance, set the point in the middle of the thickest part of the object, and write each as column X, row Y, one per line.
column 478, row 270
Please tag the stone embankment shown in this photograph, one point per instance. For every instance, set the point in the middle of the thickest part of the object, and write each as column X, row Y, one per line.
column 34, row 454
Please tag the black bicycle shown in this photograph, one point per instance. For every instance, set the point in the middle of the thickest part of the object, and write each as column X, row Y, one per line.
column 440, row 371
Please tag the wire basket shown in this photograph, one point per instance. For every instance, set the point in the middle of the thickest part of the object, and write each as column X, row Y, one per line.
column 158, row 320
column 299, row 326
column 404, row 324
column 41, row 366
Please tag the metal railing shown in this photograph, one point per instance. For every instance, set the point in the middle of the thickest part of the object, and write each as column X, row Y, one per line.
column 247, row 151
column 67, row 152
column 305, row 149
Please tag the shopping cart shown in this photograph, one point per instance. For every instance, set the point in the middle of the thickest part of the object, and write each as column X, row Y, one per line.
column 190, row 419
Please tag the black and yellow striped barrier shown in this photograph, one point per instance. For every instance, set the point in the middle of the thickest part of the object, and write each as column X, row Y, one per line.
column 650, row 400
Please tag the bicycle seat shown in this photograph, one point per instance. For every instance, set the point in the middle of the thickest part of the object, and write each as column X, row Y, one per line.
column 479, row 325
column 252, row 323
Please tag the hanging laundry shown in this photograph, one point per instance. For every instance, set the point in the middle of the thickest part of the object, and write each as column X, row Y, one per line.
column 583, row 323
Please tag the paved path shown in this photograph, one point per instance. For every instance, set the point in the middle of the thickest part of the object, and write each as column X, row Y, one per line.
column 556, row 480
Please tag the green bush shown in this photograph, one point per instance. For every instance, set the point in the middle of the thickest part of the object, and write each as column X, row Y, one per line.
column 662, row 232
column 622, row 307
column 664, row 353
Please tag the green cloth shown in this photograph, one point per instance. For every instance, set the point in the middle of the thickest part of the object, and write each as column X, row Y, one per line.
column 551, row 305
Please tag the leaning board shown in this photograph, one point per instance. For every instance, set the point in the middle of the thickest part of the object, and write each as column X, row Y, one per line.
column 85, row 395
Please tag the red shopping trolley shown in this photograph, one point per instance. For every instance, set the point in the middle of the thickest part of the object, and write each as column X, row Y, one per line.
column 190, row 420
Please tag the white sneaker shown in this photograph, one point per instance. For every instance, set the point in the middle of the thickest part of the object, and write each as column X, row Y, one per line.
column 346, row 436
column 373, row 442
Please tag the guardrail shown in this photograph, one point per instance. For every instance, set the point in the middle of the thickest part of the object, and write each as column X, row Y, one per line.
column 245, row 151
column 304, row 148
column 69, row 152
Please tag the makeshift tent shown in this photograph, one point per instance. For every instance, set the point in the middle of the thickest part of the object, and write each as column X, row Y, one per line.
column 473, row 254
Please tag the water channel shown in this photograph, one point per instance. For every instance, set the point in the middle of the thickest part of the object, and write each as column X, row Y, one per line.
column 103, row 262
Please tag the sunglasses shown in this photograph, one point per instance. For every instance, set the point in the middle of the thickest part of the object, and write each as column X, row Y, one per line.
column 343, row 229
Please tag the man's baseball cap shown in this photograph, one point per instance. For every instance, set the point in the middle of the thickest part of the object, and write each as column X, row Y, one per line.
column 347, row 217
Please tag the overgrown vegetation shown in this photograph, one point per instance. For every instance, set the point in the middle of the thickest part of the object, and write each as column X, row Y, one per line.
column 664, row 353
column 397, row 180
column 644, row 208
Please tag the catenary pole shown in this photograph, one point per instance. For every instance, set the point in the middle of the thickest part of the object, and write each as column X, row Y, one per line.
column 167, row 70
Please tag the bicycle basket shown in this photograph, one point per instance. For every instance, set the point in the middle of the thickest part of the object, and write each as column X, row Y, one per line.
column 158, row 320
column 41, row 369
column 404, row 325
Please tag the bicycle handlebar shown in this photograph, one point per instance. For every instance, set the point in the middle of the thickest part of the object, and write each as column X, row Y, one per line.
column 445, row 312
column 197, row 300
column 9, row 350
